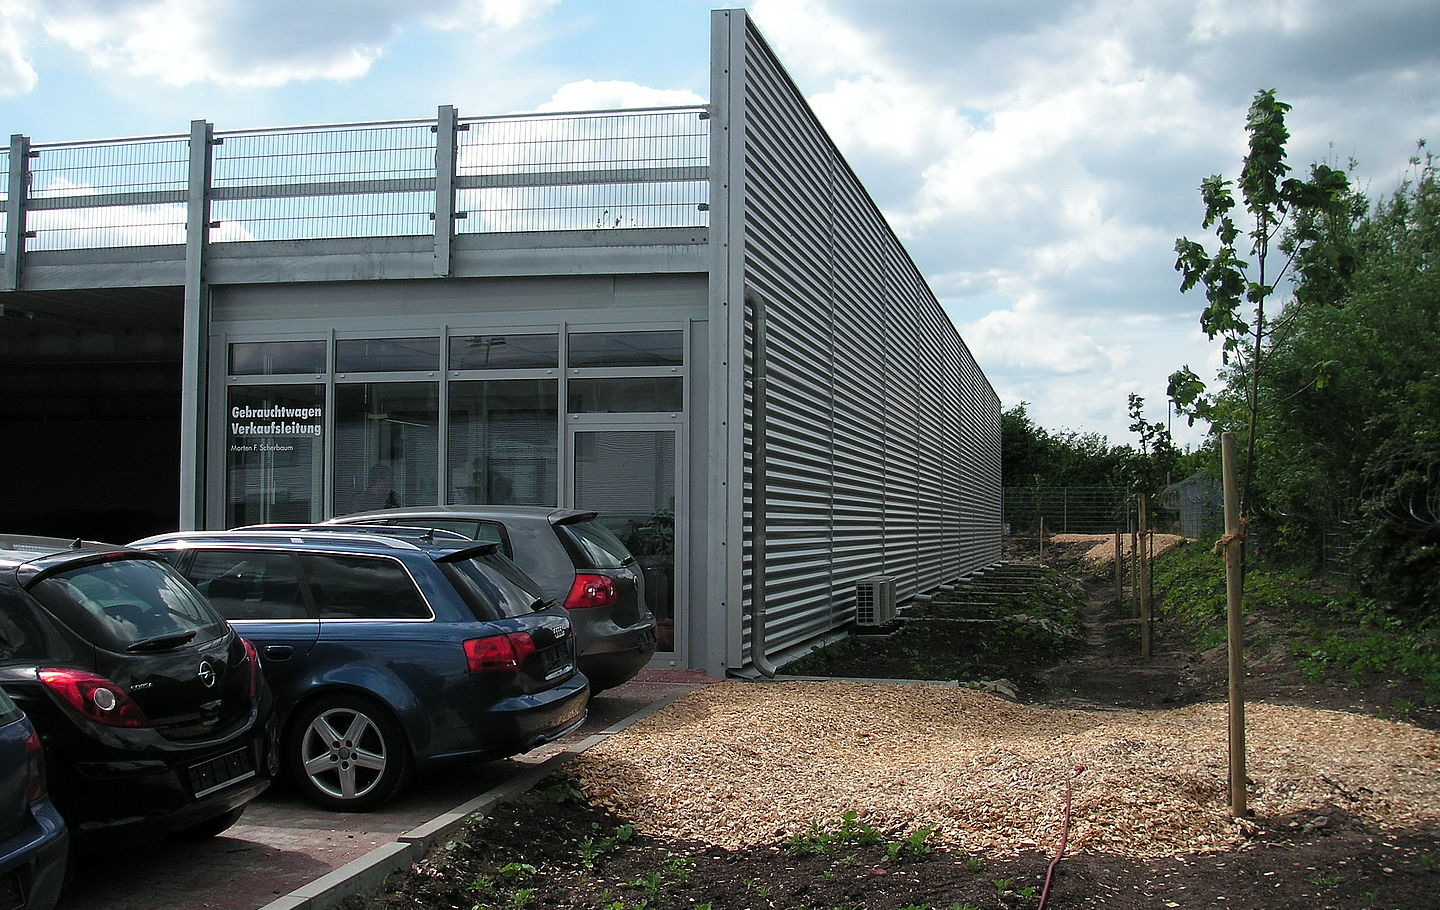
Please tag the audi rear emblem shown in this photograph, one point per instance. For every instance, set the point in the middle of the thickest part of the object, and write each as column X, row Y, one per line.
column 207, row 674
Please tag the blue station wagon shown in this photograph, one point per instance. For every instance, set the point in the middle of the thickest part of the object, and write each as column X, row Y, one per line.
column 387, row 653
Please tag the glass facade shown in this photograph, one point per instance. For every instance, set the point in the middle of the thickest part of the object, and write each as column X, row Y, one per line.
column 502, row 442
column 387, row 444
column 274, row 453
column 307, row 437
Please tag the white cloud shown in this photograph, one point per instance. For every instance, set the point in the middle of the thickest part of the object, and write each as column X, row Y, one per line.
column 17, row 75
column 589, row 95
column 1035, row 341
column 261, row 42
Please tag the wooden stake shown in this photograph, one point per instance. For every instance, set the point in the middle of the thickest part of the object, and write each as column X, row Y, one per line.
column 1134, row 572
column 1119, row 568
column 1142, row 582
column 1235, row 628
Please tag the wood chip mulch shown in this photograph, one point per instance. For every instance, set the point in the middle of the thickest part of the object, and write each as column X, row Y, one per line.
column 737, row 764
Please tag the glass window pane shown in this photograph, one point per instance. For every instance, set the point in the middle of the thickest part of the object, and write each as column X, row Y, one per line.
column 386, row 355
column 272, row 358
column 362, row 587
column 622, row 396
column 387, row 443
column 503, row 439
column 504, row 352
column 245, row 584
column 626, row 349
column 628, row 476
column 274, row 463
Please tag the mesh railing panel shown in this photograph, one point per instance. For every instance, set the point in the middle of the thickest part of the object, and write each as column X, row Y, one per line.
column 128, row 174
column 318, row 183
column 625, row 169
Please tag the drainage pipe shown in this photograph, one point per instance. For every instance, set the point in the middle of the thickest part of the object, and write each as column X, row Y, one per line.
column 759, row 465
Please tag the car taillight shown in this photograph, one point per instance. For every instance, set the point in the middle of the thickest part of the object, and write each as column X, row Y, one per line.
column 95, row 697
column 254, row 657
column 35, row 785
column 498, row 652
column 591, row 591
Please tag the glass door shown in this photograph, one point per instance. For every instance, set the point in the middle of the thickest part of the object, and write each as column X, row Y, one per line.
column 627, row 473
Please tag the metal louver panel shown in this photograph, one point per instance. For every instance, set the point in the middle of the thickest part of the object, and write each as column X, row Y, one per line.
column 883, row 433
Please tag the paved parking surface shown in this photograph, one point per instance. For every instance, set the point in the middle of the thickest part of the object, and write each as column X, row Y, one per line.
column 283, row 843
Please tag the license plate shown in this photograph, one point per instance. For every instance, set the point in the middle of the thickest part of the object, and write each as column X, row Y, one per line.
column 220, row 772
column 555, row 661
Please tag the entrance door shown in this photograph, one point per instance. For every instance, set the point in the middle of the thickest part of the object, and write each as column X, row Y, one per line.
column 627, row 473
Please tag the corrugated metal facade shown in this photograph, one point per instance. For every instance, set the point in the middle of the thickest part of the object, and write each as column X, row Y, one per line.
column 883, row 442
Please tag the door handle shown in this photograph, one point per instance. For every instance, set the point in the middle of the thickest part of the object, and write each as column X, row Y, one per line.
column 278, row 652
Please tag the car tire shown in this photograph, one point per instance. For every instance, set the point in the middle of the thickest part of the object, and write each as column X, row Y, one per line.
column 347, row 754
column 210, row 827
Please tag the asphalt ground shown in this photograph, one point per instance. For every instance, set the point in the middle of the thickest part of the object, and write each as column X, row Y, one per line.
column 288, row 853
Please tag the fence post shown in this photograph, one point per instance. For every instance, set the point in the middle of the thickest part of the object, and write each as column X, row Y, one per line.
column 1119, row 568
column 1234, row 626
column 1042, row 538
column 1142, row 581
column 1134, row 567
column 446, row 151
column 18, row 184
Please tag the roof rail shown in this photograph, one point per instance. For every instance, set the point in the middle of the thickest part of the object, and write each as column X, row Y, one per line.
column 420, row 532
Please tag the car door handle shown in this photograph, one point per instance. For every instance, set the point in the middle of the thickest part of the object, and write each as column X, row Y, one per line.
column 278, row 652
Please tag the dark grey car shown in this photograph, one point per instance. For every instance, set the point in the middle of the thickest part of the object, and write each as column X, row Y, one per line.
column 575, row 558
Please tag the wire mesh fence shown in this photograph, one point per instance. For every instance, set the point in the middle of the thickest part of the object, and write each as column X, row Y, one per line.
column 4, row 198
column 1065, row 510
column 111, row 194
column 539, row 172
column 598, row 171
column 315, row 183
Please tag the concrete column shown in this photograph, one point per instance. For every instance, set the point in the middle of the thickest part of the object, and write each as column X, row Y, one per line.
column 195, row 341
column 446, row 150
column 19, row 188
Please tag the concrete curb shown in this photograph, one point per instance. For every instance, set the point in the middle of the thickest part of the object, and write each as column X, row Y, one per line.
column 368, row 872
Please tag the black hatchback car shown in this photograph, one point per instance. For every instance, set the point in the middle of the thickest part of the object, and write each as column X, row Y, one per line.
column 389, row 652
column 154, row 714
column 579, row 562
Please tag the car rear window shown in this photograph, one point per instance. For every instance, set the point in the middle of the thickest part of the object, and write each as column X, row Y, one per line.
column 595, row 545
column 129, row 605
column 494, row 587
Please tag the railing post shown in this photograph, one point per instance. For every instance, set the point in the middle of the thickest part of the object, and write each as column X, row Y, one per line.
column 19, row 188
column 446, row 151
column 195, row 338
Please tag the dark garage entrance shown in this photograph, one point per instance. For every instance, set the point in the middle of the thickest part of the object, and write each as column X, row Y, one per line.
column 90, row 412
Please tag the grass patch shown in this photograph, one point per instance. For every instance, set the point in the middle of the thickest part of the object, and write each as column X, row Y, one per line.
column 1334, row 634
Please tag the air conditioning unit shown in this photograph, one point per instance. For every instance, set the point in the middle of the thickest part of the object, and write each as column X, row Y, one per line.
column 875, row 601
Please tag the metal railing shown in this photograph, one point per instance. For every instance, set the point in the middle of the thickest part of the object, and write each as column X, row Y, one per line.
column 584, row 171
column 535, row 172
column 128, row 192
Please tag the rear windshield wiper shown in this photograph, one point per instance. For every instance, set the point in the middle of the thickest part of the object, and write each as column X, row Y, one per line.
column 162, row 642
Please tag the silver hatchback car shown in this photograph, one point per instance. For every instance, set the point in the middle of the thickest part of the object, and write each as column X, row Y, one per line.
column 579, row 563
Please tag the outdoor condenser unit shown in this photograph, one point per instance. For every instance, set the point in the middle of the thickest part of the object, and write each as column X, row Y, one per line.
column 875, row 601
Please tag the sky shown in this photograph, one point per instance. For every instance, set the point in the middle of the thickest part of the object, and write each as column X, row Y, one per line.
column 1038, row 159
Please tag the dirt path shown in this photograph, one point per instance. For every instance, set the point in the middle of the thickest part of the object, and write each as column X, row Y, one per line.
column 1109, row 671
